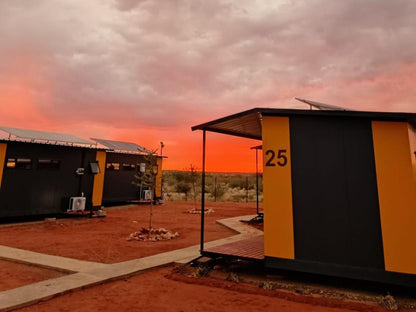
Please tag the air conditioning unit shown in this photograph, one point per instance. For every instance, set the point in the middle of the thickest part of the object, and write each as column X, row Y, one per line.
column 76, row 204
column 147, row 194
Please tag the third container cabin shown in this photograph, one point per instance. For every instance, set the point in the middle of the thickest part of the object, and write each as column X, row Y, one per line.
column 124, row 160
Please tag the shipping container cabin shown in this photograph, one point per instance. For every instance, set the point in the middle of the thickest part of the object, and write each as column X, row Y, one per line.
column 41, row 171
column 123, row 161
column 339, row 190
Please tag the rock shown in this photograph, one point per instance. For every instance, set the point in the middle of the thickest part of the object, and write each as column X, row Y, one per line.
column 152, row 235
column 389, row 303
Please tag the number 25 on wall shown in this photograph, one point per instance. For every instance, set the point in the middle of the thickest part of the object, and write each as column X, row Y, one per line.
column 272, row 159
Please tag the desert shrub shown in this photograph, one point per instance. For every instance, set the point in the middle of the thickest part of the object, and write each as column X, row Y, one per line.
column 233, row 277
column 214, row 189
column 267, row 285
column 183, row 187
column 186, row 185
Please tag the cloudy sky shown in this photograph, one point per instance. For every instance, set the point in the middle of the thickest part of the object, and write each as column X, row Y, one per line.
column 146, row 71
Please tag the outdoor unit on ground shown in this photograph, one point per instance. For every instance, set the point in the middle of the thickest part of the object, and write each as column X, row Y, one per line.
column 147, row 194
column 76, row 204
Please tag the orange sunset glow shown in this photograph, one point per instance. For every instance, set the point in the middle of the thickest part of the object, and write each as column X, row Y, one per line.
column 147, row 71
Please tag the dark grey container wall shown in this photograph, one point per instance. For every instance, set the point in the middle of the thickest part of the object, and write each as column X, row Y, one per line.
column 118, row 185
column 44, row 191
column 335, row 201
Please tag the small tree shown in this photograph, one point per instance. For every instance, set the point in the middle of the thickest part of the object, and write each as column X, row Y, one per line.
column 193, row 178
column 183, row 187
column 146, row 178
column 186, row 180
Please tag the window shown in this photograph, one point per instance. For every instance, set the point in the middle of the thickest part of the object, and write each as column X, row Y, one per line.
column 129, row 167
column 52, row 164
column 19, row 163
column 113, row 166
column 11, row 163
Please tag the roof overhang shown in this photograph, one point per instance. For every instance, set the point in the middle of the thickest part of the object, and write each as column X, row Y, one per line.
column 247, row 124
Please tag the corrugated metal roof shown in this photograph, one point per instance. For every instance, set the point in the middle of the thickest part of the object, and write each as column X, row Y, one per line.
column 44, row 137
column 122, row 146
column 245, row 124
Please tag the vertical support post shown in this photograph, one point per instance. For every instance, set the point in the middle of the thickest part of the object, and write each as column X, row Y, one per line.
column 203, row 191
column 257, row 181
column 161, row 161
column 215, row 189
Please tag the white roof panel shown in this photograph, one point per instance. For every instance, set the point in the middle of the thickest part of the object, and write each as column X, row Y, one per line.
column 122, row 146
column 322, row 106
column 48, row 137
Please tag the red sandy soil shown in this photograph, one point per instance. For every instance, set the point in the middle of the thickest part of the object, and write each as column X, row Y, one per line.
column 14, row 275
column 105, row 239
column 160, row 290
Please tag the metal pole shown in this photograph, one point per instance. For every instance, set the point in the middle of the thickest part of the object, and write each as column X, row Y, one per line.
column 257, row 182
column 161, row 172
column 203, row 191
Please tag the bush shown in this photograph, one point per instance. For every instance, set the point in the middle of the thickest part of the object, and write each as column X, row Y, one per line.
column 218, row 186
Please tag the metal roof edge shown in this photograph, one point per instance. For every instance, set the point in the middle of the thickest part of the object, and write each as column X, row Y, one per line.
column 64, row 144
column 124, row 152
column 352, row 113
column 140, row 149
column 388, row 116
column 229, row 117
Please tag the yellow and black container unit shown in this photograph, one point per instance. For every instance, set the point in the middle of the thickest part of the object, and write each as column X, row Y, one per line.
column 40, row 172
column 122, row 161
column 339, row 190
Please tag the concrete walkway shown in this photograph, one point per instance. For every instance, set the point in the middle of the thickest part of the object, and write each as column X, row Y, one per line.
column 86, row 273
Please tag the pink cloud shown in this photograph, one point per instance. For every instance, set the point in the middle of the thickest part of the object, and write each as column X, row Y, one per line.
column 149, row 70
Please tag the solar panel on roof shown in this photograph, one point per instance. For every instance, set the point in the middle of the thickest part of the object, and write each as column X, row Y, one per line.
column 44, row 136
column 121, row 146
column 322, row 106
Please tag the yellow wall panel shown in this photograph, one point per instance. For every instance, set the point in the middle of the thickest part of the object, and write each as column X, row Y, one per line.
column 277, row 188
column 397, row 194
column 97, row 192
column 3, row 148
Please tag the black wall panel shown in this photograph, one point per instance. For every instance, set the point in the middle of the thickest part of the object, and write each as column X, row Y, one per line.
column 335, row 200
column 118, row 185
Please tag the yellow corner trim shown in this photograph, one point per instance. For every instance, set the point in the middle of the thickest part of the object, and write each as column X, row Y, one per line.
column 277, row 188
column 97, row 192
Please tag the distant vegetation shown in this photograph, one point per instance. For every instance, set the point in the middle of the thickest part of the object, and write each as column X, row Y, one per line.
column 186, row 185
